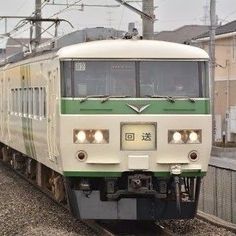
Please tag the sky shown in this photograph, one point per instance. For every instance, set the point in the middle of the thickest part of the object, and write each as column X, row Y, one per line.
column 170, row 14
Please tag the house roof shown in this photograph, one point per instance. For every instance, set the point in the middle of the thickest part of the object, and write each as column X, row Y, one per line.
column 223, row 29
column 183, row 34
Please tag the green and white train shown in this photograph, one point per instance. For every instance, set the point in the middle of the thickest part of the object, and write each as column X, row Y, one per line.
column 114, row 129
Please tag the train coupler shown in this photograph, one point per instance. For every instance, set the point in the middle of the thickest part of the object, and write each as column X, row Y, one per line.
column 176, row 171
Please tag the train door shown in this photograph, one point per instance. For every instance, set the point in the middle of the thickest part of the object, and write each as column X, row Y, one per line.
column 52, row 112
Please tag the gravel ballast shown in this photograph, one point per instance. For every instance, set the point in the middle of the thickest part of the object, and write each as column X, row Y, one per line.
column 24, row 210
column 195, row 227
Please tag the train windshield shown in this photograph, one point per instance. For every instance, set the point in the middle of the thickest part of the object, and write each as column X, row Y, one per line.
column 134, row 78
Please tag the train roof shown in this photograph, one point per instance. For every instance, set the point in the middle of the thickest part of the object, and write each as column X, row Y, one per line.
column 125, row 49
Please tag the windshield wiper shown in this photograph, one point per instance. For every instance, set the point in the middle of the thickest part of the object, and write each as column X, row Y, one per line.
column 189, row 98
column 92, row 96
column 119, row 96
column 169, row 98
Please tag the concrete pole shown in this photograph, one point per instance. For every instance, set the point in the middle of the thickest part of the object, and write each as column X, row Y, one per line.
column 148, row 25
column 212, row 65
column 5, row 25
column 38, row 24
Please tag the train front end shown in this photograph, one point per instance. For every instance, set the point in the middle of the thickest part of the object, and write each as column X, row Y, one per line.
column 135, row 128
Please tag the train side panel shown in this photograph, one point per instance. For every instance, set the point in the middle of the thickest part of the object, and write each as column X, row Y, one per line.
column 30, row 105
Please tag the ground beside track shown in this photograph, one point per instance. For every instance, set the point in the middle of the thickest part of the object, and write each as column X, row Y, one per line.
column 28, row 212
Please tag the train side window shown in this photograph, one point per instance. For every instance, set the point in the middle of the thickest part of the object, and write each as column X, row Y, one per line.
column 36, row 103
column 25, row 102
column 43, row 102
column 16, row 98
column 12, row 102
column 16, row 110
column 20, row 102
column 30, row 103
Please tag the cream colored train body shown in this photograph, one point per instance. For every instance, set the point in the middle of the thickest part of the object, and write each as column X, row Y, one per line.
column 104, row 117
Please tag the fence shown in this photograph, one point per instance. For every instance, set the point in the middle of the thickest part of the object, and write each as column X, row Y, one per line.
column 218, row 192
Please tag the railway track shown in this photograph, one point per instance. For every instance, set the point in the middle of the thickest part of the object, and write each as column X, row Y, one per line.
column 129, row 228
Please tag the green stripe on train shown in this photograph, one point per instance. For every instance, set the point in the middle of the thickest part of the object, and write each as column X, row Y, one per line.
column 27, row 128
column 121, row 107
column 188, row 173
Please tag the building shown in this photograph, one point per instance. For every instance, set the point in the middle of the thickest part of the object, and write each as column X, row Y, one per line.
column 225, row 79
column 183, row 34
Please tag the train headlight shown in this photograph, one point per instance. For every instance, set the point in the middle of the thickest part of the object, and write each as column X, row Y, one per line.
column 90, row 136
column 194, row 136
column 98, row 136
column 81, row 136
column 177, row 137
column 184, row 136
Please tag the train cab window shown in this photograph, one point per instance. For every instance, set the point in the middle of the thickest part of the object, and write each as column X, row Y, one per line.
column 171, row 78
column 66, row 75
column 204, row 79
column 115, row 78
column 36, row 102
column 134, row 78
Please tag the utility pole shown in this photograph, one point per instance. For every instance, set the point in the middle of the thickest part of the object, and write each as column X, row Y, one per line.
column 212, row 65
column 5, row 25
column 147, row 15
column 148, row 25
column 38, row 24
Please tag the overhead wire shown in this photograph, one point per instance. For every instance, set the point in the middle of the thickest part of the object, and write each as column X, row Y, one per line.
column 20, row 24
column 66, row 8
column 23, row 23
